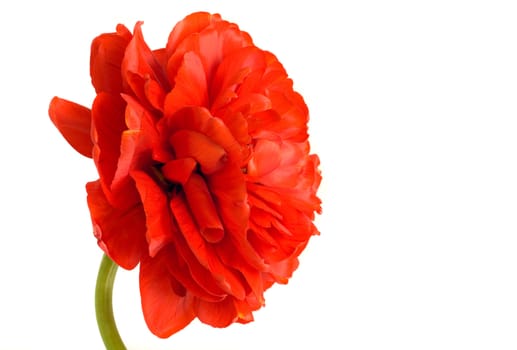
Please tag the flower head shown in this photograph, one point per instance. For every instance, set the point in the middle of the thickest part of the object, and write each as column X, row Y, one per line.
column 205, row 174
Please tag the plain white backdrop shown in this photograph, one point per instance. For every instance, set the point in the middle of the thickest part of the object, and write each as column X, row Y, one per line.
column 413, row 113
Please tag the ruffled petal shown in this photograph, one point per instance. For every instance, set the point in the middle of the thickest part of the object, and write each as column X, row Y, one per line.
column 108, row 116
column 166, row 305
column 140, row 64
column 120, row 231
column 211, row 44
column 228, row 189
column 218, row 42
column 199, row 119
column 203, row 209
column 155, row 94
column 107, row 52
column 184, row 270
column 136, row 144
column 245, row 308
column 266, row 158
column 73, row 122
column 283, row 270
column 227, row 279
column 179, row 170
column 293, row 117
column 245, row 64
column 220, row 314
column 190, row 87
column 203, row 277
column 157, row 213
column 191, row 24
column 190, row 144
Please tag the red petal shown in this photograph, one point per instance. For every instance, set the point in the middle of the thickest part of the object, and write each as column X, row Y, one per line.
column 216, row 43
column 254, row 279
column 245, row 308
column 266, row 158
column 293, row 113
column 233, row 70
column 190, row 144
column 199, row 273
column 220, row 314
column 157, row 213
column 155, row 94
column 183, row 271
column 179, row 170
column 283, row 270
column 137, row 142
column 226, row 278
column 211, row 44
column 238, row 126
column 166, row 309
column 193, row 23
column 265, row 244
column 107, row 52
column 199, row 119
column 190, row 88
column 228, row 188
column 250, row 104
column 139, row 60
column 120, row 231
column 74, row 122
column 203, row 209
column 108, row 115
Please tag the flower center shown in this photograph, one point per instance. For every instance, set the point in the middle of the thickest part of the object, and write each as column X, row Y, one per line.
column 185, row 175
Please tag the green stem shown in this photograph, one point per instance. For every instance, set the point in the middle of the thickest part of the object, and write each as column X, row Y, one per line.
column 104, row 307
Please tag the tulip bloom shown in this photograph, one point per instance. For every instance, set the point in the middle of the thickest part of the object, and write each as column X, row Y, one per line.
column 205, row 174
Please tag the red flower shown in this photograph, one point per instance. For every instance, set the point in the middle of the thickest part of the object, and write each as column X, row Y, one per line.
column 205, row 176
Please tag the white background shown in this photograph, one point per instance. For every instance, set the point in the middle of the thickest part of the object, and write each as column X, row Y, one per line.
column 413, row 113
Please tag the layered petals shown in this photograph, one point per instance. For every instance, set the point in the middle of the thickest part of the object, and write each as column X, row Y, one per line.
column 120, row 232
column 108, row 124
column 140, row 67
column 205, row 174
column 168, row 307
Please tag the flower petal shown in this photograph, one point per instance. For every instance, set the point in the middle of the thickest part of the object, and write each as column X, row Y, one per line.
column 190, row 144
column 179, row 170
column 227, row 279
column 184, row 270
column 220, row 314
column 266, row 158
column 190, row 86
column 283, row 270
column 191, row 24
column 242, row 65
column 120, row 231
column 73, row 122
column 203, row 209
column 107, row 52
column 199, row 119
column 167, row 306
column 108, row 123
column 157, row 213
column 135, row 148
column 199, row 273
column 140, row 61
column 228, row 189
column 211, row 44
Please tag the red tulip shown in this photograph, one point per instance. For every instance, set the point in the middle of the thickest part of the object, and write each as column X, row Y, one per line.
column 205, row 174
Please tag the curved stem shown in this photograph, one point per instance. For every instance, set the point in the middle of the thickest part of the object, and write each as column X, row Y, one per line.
column 104, row 307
